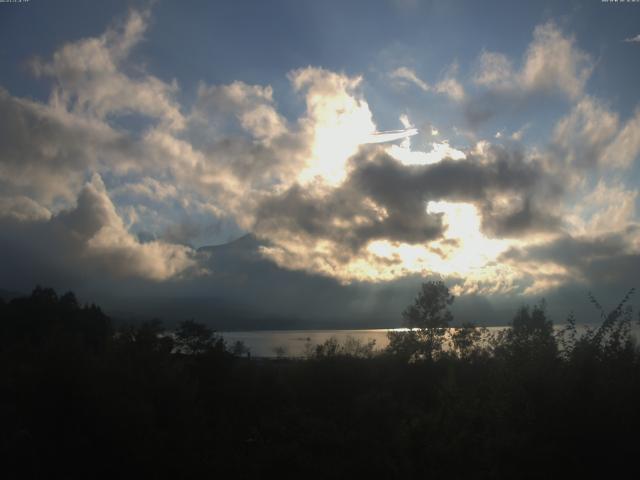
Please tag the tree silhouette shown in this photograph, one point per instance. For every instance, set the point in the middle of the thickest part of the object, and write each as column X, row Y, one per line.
column 427, row 320
column 77, row 389
column 530, row 340
column 194, row 338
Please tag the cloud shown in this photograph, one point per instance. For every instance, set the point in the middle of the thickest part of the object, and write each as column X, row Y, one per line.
column 439, row 151
column 591, row 136
column 582, row 136
column 23, row 208
column 337, row 119
column 92, row 237
column 518, row 215
column 253, row 106
column 552, row 65
column 448, row 85
column 46, row 150
column 606, row 209
column 635, row 39
column 345, row 215
column 587, row 259
column 148, row 188
column 495, row 70
column 156, row 173
column 83, row 194
column 625, row 148
column 553, row 62
column 331, row 230
column 406, row 75
column 89, row 78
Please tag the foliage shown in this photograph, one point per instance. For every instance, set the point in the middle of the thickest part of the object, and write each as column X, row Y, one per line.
column 77, row 392
column 193, row 338
column 469, row 341
column 430, row 307
column 530, row 338
column 427, row 321
column 352, row 347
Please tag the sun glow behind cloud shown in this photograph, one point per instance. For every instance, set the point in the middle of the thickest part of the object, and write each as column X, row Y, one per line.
column 463, row 252
column 438, row 152
column 309, row 188
column 342, row 123
column 338, row 121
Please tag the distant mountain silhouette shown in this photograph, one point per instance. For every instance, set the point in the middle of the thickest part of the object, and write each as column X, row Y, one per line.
column 245, row 291
column 246, row 245
column 275, row 297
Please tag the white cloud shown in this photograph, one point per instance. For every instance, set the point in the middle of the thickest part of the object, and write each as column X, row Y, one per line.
column 338, row 120
column 253, row 106
column 234, row 152
column 448, row 85
column 552, row 63
column 592, row 135
column 438, row 152
column 406, row 75
column 635, row 39
column 583, row 135
column 495, row 70
column 45, row 150
column 517, row 135
column 23, row 208
column 98, row 234
column 609, row 208
column 148, row 188
column 90, row 80
column 625, row 148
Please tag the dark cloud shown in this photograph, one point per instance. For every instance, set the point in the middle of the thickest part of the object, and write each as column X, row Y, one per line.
column 383, row 199
column 474, row 179
column 89, row 240
column 521, row 217
column 603, row 258
column 347, row 216
column 45, row 152
column 605, row 265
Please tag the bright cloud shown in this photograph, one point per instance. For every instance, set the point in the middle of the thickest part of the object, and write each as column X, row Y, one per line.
column 551, row 63
column 448, row 85
column 325, row 190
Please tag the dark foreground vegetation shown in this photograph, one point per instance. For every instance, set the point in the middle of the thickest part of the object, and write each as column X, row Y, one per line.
column 80, row 398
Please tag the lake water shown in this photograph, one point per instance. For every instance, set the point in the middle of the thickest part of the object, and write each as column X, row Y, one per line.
column 293, row 343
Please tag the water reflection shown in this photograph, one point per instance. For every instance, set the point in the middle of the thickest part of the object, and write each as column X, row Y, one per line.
column 296, row 343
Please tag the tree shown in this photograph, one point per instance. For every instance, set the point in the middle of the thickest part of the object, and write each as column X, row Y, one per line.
column 427, row 321
column 530, row 338
column 467, row 340
column 194, row 338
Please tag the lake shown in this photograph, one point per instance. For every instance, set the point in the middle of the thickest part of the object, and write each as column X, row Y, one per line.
column 293, row 343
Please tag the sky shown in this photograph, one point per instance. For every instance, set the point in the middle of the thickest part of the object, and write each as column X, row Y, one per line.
column 301, row 164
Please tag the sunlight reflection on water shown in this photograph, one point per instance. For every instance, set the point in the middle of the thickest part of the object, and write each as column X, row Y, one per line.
column 293, row 343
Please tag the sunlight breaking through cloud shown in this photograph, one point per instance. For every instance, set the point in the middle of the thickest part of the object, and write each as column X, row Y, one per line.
column 300, row 161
